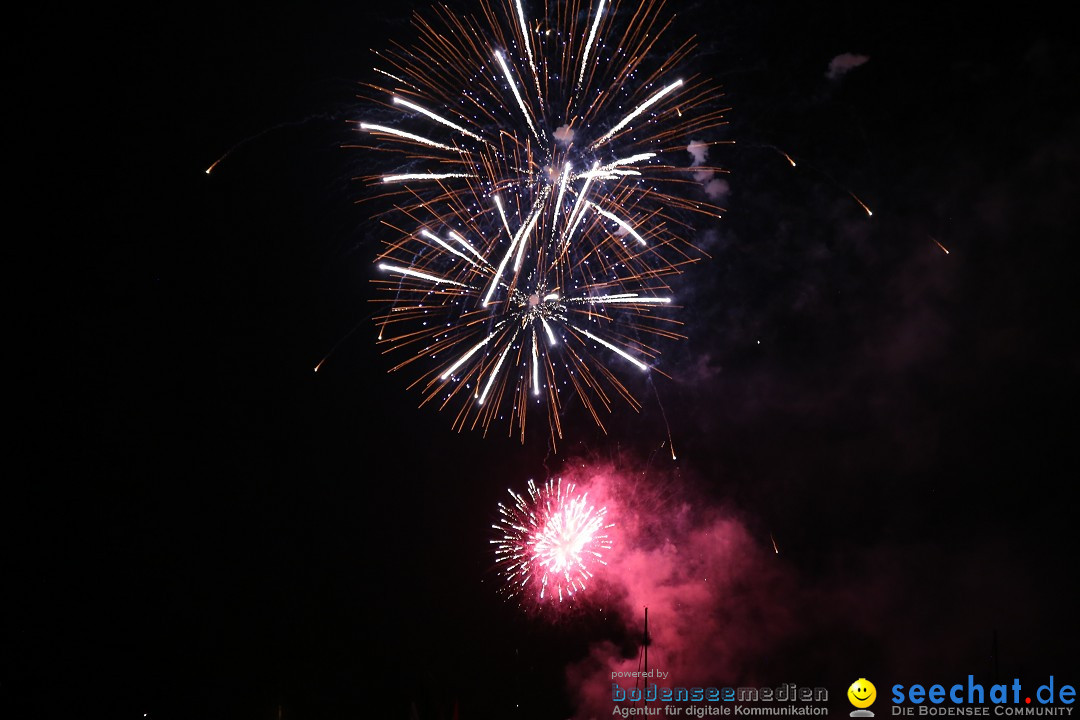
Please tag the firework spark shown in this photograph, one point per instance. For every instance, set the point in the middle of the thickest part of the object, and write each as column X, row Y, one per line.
column 551, row 542
column 943, row 248
column 861, row 203
column 540, row 204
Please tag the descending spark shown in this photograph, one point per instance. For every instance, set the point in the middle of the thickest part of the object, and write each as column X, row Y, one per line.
column 626, row 298
column 525, row 32
column 535, row 365
column 550, row 543
column 498, row 273
column 775, row 547
column 860, row 203
column 502, row 214
column 436, row 118
column 423, row 176
column 449, row 248
column 465, row 244
column 215, row 163
column 465, row 358
column 611, row 170
column 528, row 52
column 341, row 340
column 521, row 236
column 633, row 159
column 614, row 349
column 636, row 112
column 392, row 77
column 417, row 274
column 589, row 42
column 619, row 221
column 575, row 213
column 400, row 133
column 945, row 249
column 529, row 226
column 262, row 133
column 781, row 152
column 547, row 329
column 495, row 372
column 517, row 95
column 563, row 180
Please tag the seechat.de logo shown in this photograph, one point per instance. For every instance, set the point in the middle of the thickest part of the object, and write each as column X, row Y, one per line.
column 862, row 694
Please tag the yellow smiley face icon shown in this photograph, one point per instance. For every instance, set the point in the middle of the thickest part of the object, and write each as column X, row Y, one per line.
column 862, row 693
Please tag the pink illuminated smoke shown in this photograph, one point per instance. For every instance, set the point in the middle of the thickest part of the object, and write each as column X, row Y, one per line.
column 551, row 542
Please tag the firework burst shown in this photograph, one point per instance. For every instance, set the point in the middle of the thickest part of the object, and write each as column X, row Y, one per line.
column 551, row 542
column 539, row 204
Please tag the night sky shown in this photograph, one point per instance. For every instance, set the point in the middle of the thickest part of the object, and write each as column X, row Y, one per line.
column 197, row 525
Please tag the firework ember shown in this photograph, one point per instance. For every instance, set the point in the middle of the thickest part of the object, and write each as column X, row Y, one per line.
column 542, row 200
column 551, row 542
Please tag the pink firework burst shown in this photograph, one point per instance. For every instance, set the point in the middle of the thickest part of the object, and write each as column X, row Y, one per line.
column 552, row 542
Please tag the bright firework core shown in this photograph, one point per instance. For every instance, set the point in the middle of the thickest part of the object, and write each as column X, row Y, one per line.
column 551, row 542
column 538, row 307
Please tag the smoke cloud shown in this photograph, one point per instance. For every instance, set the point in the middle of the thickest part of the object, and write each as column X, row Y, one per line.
column 715, row 188
column 710, row 588
column 564, row 134
column 844, row 63
column 727, row 607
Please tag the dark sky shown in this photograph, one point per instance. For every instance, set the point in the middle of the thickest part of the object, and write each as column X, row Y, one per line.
column 196, row 525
